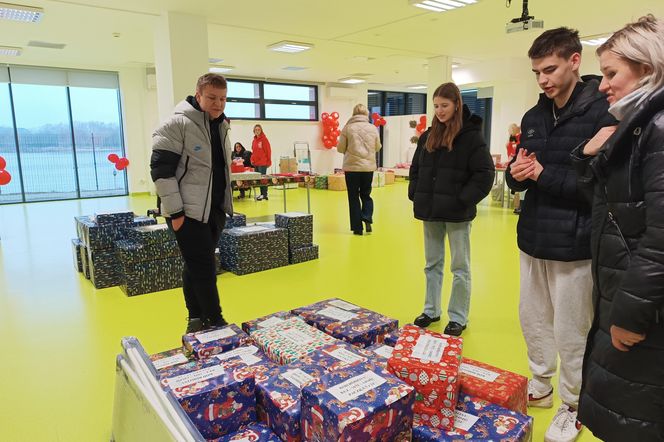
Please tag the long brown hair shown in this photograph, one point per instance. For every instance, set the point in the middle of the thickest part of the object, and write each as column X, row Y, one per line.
column 443, row 134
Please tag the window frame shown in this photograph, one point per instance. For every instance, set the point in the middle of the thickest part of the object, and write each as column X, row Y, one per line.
column 262, row 101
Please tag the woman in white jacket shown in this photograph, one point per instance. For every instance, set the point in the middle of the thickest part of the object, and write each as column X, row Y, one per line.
column 359, row 142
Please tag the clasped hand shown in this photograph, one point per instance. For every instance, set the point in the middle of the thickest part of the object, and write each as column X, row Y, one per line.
column 525, row 166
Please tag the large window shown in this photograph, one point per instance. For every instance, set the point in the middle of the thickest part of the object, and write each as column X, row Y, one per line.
column 389, row 104
column 481, row 107
column 57, row 128
column 258, row 100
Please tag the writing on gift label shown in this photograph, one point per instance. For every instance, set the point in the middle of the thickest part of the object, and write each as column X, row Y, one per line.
column 356, row 386
column 269, row 322
column 215, row 335
column 297, row 377
column 343, row 305
column 195, row 376
column 464, row 421
column 170, row 361
column 429, row 348
column 250, row 359
column 384, row 351
column 337, row 313
column 238, row 352
column 298, row 337
column 478, row 372
column 344, row 355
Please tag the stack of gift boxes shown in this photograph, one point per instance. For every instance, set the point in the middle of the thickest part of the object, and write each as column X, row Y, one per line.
column 250, row 249
column 300, row 227
column 327, row 372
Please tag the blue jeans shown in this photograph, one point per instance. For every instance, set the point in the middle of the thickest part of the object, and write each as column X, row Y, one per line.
column 262, row 170
column 434, row 252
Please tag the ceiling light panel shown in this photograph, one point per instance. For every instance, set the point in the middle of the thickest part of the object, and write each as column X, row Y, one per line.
column 351, row 80
column 10, row 51
column 221, row 69
column 441, row 5
column 290, row 46
column 26, row 14
column 594, row 41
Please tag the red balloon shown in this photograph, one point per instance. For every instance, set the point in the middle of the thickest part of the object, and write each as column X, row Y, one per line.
column 124, row 161
column 113, row 158
column 119, row 166
column 325, row 116
column 376, row 122
column 423, row 119
column 3, row 163
column 382, row 121
column 337, row 132
column 335, row 115
column 5, row 177
column 375, row 116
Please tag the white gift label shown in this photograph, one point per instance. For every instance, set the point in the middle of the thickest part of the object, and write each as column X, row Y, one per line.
column 464, row 421
column 297, row 336
column 250, row 229
column 384, row 351
column 238, row 352
column 215, row 335
column 337, row 313
column 269, row 322
column 356, row 386
column 345, row 355
column 250, row 359
column 429, row 348
column 297, row 377
column 343, row 305
column 170, row 361
column 479, row 372
column 195, row 376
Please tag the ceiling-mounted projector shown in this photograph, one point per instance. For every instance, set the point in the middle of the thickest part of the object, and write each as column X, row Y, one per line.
column 523, row 23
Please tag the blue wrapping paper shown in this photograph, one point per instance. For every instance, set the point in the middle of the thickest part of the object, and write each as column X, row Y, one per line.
column 215, row 340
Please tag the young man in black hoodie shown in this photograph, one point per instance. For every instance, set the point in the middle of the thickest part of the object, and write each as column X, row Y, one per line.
column 554, row 226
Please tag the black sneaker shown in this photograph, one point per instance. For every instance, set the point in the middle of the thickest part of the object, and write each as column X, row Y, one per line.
column 194, row 325
column 454, row 329
column 221, row 322
column 367, row 226
column 357, row 232
column 424, row 321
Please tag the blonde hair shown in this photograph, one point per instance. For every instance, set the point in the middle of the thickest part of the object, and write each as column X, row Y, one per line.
column 641, row 43
column 360, row 109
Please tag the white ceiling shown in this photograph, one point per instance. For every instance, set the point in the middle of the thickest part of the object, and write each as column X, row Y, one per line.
column 396, row 38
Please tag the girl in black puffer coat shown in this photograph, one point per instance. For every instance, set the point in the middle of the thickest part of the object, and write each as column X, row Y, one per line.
column 622, row 397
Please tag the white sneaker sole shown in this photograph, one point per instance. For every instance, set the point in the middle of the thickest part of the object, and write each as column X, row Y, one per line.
column 544, row 402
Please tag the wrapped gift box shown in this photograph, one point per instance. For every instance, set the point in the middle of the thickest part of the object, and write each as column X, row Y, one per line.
column 290, row 340
column 389, row 177
column 429, row 362
column 378, row 179
column 219, row 400
column 303, row 254
column 320, row 182
column 358, row 404
column 85, row 262
column 392, row 337
column 477, row 420
column 279, row 398
column 131, row 252
column 157, row 233
column 501, row 387
column 76, row 245
column 257, row 363
column 169, row 359
column 250, row 433
column 265, row 321
column 108, row 218
column 300, row 228
column 346, row 321
column 209, row 342
column 380, row 353
column 337, row 356
column 105, row 270
column 98, row 237
column 237, row 220
column 152, row 276
column 336, row 182
column 253, row 249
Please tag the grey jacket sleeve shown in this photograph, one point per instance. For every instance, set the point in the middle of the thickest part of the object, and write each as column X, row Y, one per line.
column 167, row 149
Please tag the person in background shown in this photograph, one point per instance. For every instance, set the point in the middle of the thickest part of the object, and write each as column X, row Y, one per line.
column 261, row 156
column 622, row 397
column 452, row 171
column 196, row 194
column 359, row 141
column 512, row 145
column 239, row 152
column 553, row 231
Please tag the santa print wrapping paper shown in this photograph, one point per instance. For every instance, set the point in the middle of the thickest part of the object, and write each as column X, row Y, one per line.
column 257, row 363
column 380, row 353
column 169, row 358
column 348, row 322
column 429, row 362
column 279, row 398
column 357, row 404
column 217, row 399
column 338, row 355
column 250, row 433
column 265, row 321
column 215, row 340
column 290, row 340
column 477, row 420
column 501, row 387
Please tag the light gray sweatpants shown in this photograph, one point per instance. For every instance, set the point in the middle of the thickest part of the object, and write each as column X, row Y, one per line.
column 556, row 312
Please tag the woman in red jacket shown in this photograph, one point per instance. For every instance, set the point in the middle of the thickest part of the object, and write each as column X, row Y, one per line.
column 261, row 156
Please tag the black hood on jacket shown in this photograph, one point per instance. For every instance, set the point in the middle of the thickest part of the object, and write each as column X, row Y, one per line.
column 585, row 93
column 192, row 100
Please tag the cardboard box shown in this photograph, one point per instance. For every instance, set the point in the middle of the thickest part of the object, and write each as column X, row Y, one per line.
column 265, row 321
column 287, row 165
column 209, row 342
column 336, row 182
column 378, row 179
column 389, row 177
column 501, row 387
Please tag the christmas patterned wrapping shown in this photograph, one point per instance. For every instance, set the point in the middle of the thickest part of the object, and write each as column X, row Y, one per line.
column 257, row 363
column 85, row 261
column 337, row 356
column 320, row 182
column 429, row 362
column 237, row 220
column 153, row 234
column 169, row 358
column 300, row 228
column 250, row 433
column 219, row 400
column 152, row 276
column 76, row 249
column 109, row 218
column 348, row 322
column 199, row 364
column 131, row 252
column 279, row 398
column 336, row 182
column 303, row 254
column 477, row 420
column 380, row 353
column 357, row 403
column 378, row 179
column 253, row 249
column 501, row 387
column 265, row 321
column 290, row 340
column 392, row 338
column 97, row 237
column 215, row 340
column 104, row 268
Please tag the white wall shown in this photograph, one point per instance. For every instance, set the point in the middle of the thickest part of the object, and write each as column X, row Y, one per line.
column 397, row 147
